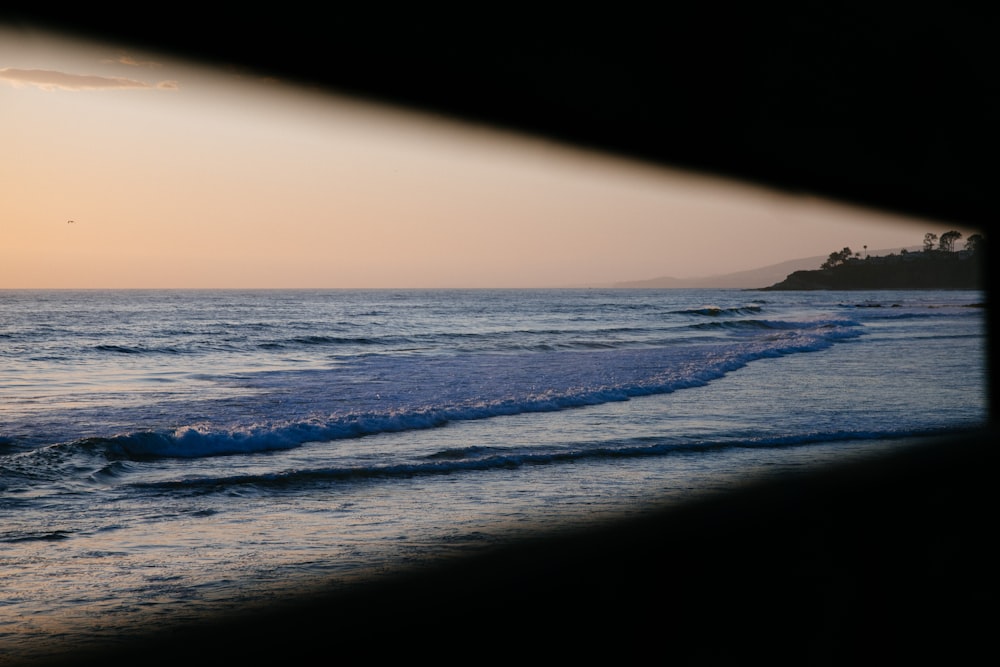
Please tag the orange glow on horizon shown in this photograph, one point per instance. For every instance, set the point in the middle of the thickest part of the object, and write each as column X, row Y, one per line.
column 180, row 176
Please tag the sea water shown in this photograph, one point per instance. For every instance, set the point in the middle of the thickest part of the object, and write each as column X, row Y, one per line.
column 166, row 454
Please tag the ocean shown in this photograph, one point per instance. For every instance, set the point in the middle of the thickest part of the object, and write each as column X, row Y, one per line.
column 171, row 454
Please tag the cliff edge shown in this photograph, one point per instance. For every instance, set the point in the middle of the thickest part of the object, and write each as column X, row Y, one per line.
column 931, row 269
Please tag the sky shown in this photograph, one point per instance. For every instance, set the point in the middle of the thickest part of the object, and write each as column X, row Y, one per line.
column 126, row 169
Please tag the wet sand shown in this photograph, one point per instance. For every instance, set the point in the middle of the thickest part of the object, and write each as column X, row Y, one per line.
column 867, row 563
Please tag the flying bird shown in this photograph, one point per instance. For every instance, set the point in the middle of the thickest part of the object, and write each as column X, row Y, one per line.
column 69, row 222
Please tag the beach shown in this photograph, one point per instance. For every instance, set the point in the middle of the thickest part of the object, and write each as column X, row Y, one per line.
column 716, row 472
column 315, row 476
column 878, row 563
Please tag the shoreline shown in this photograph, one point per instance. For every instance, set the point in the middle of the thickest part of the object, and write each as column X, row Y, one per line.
column 882, row 560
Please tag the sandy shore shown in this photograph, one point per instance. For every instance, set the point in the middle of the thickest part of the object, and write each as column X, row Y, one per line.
column 864, row 564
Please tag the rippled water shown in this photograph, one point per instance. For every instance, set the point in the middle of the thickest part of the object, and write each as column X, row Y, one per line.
column 165, row 454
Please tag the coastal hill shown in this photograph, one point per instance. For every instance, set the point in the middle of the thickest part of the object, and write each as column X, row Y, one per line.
column 928, row 269
column 935, row 265
column 750, row 279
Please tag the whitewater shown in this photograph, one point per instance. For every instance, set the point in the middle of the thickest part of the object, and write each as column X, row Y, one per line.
column 169, row 454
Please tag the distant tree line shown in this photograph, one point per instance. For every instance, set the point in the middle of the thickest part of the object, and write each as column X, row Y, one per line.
column 945, row 243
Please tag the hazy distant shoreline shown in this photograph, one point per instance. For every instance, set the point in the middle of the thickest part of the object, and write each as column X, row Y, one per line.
column 901, row 268
column 750, row 279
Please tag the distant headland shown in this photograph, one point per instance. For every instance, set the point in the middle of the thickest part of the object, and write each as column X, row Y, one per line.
column 938, row 266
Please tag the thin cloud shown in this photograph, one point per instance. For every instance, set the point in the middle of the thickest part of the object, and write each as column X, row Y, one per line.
column 125, row 59
column 53, row 80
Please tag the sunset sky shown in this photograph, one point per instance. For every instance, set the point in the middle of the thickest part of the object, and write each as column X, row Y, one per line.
column 179, row 176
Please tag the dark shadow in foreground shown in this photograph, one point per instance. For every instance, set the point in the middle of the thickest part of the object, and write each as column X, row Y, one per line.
column 860, row 564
